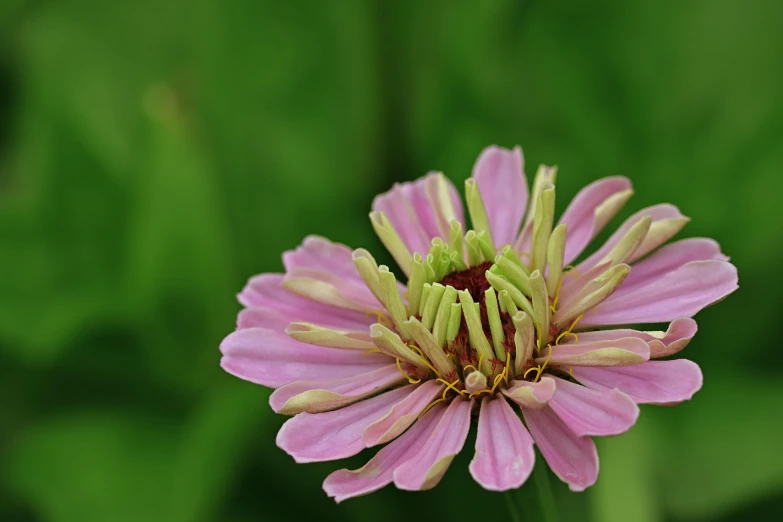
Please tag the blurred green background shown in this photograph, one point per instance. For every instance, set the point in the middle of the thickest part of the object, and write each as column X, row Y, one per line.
column 156, row 154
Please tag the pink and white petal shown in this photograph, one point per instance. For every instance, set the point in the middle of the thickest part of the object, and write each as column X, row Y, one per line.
column 504, row 449
column 444, row 201
column 263, row 317
column 653, row 382
column 324, row 395
column 378, row 472
column 403, row 217
column 319, row 253
column 335, row 434
column 573, row 459
column 273, row 359
column 531, row 395
column 590, row 210
column 427, row 466
column 670, row 258
column 416, row 192
column 266, row 291
column 401, row 415
column 330, row 289
column 658, row 213
column 615, row 352
column 681, row 293
column 589, row 412
column 662, row 344
column 500, row 176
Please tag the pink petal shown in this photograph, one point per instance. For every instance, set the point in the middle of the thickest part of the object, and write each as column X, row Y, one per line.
column 324, row 395
column 427, row 466
column 266, row 292
column 670, row 258
column 403, row 217
column 662, row 344
column 504, row 449
column 593, row 412
column 656, row 212
column 273, row 359
column 581, row 218
column 681, row 293
column 531, row 394
column 500, row 176
column 335, row 434
column 654, row 382
column 378, row 472
column 319, row 253
column 402, row 415
column 616, row 352
column 573, row 459
column 330, row 289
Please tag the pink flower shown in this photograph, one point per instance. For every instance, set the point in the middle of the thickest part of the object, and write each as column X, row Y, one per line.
column 491, row 322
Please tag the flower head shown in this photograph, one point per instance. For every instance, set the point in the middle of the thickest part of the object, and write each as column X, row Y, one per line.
column 491, row 321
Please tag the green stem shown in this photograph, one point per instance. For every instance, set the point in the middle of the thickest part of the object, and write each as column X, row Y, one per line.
column 546, row 498
column 512, row 509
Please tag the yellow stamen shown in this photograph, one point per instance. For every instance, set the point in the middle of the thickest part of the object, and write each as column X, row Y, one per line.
column 465, row 368
column 428, row 408
column 553, row 306
column 571, row 370
column 382, row 319
column 373, row 350
column 410, row 379
column 568, row 332
column 508, row 362
column 449, row 386
column 424, row 359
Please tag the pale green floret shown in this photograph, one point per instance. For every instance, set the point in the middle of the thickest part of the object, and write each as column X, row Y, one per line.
column 485, row 245
column 500, row 283
column 540, row 307
column 429, row 346
column 322, row 336
column 478, row 341
column 555, row 259
column 542, row 227
column 455, row 320
column 368, row 269
column 495, row 325
column 391, row 240
column 524, row 340
column 591, row 295
column 629, row 243
column 506, row 303
column 431, row 307
column 416, row 281
column 456, row 244
column 444, row 314
column 509, row 254
column 390, row 343
column 429, row 269
column 392, row 301
column 473, row 248
column 513, row 273
column 478, row 214
column 660, row 232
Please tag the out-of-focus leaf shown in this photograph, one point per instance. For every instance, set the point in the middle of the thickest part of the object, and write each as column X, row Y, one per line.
column 94, row 467
column 719, row 452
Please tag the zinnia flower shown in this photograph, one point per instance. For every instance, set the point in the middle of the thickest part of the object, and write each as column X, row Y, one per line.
column 492, row 321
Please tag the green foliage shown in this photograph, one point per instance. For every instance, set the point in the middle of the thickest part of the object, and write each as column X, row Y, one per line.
column 156, row 154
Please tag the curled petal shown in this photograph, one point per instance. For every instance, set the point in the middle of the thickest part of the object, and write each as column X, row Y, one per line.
column 504, row 449
column 590, row 211
column 670, row 258
column 653, row 382
column 573, row 459
column 681, row 293
column 616, row 352
column 318, row 253
column 501, row 181
column 663, row 216
column 662, row 344
column 265, row 292
column 427, row 466
column 273, row 359
column 335, row 434
column 402, row 414
column 531, row 395
column 593, row 412
column 404, row 217
column 325, row 395
column 378, row 472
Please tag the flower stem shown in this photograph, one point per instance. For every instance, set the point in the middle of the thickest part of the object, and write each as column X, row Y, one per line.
column 512, row 509
column 546, row 498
